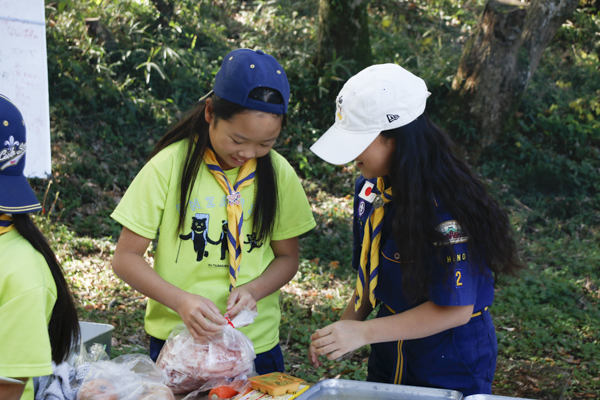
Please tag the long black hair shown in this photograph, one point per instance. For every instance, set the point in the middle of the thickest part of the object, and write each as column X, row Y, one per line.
column 63, row 328
column 424, row 168
column 194, row 128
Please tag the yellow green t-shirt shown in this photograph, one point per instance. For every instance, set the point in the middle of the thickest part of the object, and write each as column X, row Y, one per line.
column 27, row 297
column 196, row 259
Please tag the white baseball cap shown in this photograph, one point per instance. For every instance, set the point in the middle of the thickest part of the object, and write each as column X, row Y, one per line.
column 378, row 98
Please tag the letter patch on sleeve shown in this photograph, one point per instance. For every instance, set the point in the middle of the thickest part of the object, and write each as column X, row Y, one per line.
column 459, row 257
column 458, row 278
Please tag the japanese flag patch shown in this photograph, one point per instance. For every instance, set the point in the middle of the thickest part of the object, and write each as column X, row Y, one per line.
column 366, row 192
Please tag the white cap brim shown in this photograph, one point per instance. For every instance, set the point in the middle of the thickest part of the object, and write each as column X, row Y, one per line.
column 338, row 146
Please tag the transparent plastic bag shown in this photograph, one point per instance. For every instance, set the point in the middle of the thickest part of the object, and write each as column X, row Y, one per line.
column 83, row 360
column 96, row 353
column 127, row 377
column 188, row 364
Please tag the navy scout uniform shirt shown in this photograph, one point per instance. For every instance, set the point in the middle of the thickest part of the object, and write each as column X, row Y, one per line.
column 462, row 358
column 453, row 283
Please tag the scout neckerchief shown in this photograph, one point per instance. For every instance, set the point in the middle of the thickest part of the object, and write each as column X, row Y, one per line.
column 235, row 214
column 6, row 224
column 369, row 254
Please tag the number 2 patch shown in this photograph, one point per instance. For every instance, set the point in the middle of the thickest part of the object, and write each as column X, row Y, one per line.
column 458, row 278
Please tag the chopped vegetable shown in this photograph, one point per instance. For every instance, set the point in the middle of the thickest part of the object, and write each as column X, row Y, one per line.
column 221, row 392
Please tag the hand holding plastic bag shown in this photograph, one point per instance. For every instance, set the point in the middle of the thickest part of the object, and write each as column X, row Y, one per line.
column 188, row 364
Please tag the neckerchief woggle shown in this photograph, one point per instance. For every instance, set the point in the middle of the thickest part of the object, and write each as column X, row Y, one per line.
column 235, row 213
column 369, row 255
column 6, row 224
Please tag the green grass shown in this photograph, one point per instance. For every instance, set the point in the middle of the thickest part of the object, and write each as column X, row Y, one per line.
column 110, row 102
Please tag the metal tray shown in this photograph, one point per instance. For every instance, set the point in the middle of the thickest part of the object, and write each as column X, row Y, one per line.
column 492, row 397
column 331, row 389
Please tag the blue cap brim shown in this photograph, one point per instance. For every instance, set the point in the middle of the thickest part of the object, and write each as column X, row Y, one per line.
column 16, row 196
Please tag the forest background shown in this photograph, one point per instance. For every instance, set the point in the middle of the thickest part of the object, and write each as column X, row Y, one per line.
column 121, row 72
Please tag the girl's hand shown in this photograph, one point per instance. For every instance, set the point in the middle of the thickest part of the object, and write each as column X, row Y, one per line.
column 200, row 315
column 337, row 339
column 239, row 298
column 314, row 357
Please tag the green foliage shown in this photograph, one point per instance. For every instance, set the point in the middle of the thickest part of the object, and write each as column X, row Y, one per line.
column 114, row 93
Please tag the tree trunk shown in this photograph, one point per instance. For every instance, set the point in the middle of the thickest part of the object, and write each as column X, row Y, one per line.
column 343, row 33
column 165, row 9
column 498, row 61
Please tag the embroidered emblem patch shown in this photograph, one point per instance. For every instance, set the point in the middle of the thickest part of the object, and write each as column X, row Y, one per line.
column 366, row 192
column 12, row 154
column 453, row 232
column 361, row 208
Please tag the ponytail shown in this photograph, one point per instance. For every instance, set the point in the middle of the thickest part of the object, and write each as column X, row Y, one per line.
column 64, row 324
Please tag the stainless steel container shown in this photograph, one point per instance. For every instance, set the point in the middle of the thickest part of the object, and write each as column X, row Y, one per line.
column 331, row 389
column 492, row 397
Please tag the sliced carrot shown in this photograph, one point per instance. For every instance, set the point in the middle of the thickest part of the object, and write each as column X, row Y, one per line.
column 221, row 392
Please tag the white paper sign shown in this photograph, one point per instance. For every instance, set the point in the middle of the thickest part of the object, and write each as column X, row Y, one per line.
column 24, row 76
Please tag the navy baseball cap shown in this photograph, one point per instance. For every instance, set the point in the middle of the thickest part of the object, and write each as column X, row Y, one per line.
column 244, row 70
column 16, row 196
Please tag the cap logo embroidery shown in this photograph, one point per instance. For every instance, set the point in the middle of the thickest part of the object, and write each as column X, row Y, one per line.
column 392, row 117
column 12, row 154
column 338, row 113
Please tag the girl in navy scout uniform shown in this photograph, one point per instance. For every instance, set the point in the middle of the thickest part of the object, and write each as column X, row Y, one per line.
column 428, row 242
column 212, row 182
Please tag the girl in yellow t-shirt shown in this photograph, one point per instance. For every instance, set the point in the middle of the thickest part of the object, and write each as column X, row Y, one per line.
column 38, row 320
column 229, row 210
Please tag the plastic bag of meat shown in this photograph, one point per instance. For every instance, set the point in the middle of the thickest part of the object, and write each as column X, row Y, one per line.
column 127, row 377
column 187, row 364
